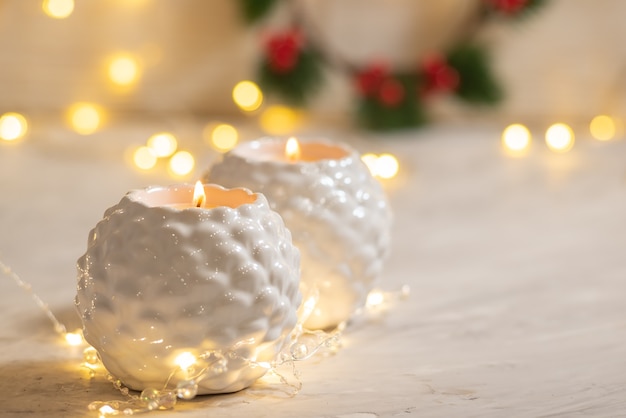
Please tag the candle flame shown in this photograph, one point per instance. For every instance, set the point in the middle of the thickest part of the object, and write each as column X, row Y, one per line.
column 292, row 149
column 198, row 195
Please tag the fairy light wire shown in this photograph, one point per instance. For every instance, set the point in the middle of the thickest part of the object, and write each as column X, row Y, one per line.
column 305, row 344
column 28, row 288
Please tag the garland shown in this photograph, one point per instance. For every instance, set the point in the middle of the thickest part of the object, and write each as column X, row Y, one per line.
column 292, row 62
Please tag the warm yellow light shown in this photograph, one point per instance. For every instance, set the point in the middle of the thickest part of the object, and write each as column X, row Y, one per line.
column 198, row 194
column 185, row 360
column 12, row 126
column 74, row 338
column 144, row 158
column 247, row 95
column 292, row 149
column 516, row 138
column 560, row 137
column 387, row 166
column 375, row 298
column 58, row 9
column 279, row 120
column 370, row 161
column 181, row 163
column 124, row 70
column 85, row 118
column 224, row 137
column 603, row 128
column 163, row 144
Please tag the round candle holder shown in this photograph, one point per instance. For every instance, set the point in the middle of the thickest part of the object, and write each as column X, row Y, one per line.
column 337, row 213
column 166, row 288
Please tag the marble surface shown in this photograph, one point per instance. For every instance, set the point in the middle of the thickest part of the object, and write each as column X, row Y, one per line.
column 516, row 267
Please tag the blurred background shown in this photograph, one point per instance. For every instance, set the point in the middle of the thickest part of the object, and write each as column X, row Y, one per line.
column 565, row 62
column 84, row 66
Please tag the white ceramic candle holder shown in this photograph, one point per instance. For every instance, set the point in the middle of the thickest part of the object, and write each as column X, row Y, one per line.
column 337, row 213
column 162, row 279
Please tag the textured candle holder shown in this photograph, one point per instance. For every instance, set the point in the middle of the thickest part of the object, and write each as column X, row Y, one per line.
column 336, row 211
column 157, row 282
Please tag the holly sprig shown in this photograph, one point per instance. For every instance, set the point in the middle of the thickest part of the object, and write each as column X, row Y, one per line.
column 292, row 62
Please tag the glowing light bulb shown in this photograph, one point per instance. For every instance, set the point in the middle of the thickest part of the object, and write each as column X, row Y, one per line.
column 85, row 118
column 560, row 137
column 144, row 158
column 181, row 163
column 279, row 120
column 247, row 95
column 387, row 166
column 124, row 70
column 13, row 126
column 74, row 338
column 185, row 360
column 224, row 137
column 58, row 9
column 603, row 128
column 375, row 298
column 370, row 161
column 516, row 139
column 163, row 144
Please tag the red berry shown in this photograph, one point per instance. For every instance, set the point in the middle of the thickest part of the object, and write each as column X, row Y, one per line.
column 391, row 92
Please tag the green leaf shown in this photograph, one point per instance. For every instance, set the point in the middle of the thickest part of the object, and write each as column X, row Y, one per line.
column 477, row 83
column 254, row 10
column 296, row 86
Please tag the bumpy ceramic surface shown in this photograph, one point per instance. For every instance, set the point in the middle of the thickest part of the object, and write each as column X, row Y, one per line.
column 337, row 213
column 157, row 281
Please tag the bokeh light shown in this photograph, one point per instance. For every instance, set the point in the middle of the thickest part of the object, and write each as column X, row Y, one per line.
column 13, row 126
column 370, row 161
column 181, row 163
column 560, row 137
column 58, row 9
column 516, row 139
column 124, row 70
column 144, row 158
column 279, row 120
column 384, row 166
column 163, row 144
column 223, row 137
column 247, row 95
column 387, row 166
column 85, row 118
column 603, row 128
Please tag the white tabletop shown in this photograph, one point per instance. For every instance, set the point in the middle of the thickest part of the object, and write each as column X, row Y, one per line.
column 516, row 267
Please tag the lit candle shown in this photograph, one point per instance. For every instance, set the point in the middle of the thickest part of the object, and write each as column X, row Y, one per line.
column 175, row 274
column 336, row 211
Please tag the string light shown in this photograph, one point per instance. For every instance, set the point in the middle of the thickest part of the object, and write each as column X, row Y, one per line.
column 247, row 95
column 384, row 166
column 85, row 118
column 185, row 360
column 74, row 338
column 222, row 137
column 162, row 144
column 58, row 9
column 603, row 128
column 516, row 139
column 560, row 137
column 304, row 345
column 387, row 166
column 124, row 70
column 279, row 120
column 13, row 126
column 181, row 163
